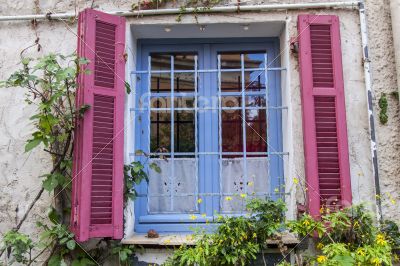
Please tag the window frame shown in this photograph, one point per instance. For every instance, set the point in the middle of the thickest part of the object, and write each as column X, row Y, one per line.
column 206, row 48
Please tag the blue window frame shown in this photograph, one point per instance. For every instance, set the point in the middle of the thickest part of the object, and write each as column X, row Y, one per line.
column 205, row 111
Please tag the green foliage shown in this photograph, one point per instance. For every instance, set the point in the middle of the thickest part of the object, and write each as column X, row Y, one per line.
column 123, row 251
column 267, row 217
column 392, row 231
column 306, row 225
column 20, row 246
column 348, row 237
column 134, row 174
column 383, row 104
column 237, row 240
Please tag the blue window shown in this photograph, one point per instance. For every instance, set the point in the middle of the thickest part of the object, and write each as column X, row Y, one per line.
column 209, row 114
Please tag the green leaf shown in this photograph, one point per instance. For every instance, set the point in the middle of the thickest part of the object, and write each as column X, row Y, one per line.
column 155, row 167
column 55, row 260
column 32, row 144
column 50, row 183
column 71, row 244
column 127, row 87
column 83, row 61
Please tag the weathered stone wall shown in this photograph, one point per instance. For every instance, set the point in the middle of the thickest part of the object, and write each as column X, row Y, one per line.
column 20, row 172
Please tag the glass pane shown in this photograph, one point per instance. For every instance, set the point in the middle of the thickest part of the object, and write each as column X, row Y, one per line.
column 255, row 101
column 160, row 82
column 231, row 81
column 232, row 133
column 184, row 102
column 231, row 101
column 254, row 60
column 230, row 61
column 160, row 131
column 184, row 61
column 160, row 102
column 254, row 80
column 236, row 101
column 256, row 131
column 184, row 82
column 184, row 131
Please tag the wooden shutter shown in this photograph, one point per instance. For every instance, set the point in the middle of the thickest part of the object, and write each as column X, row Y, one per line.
column 324, row 113
column 97, row 190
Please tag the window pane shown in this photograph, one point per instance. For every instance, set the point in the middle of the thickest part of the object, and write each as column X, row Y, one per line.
column 236, row 101
column 184, row 131
column 160, row 102
column 160, row 82
column 231, row 101
column 184, row 102
column 236, row 188
column 181, row 189
column 160, row 131
column 254, row 60
column 184, row 61
column 256, row 131
column 254, row 80
column 231, row 131
column 231, row 81
column 230, row 61
column 184, row 82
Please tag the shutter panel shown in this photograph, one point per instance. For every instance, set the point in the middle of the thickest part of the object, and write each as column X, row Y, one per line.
column 324, row 113
column 97, row 189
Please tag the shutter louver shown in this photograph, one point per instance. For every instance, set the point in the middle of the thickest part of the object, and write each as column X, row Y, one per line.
column 324, row 113
column 97, row 190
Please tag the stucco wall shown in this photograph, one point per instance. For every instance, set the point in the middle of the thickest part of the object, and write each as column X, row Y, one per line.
column 19, row 172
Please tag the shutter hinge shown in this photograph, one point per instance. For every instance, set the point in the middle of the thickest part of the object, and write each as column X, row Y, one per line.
column 75, row 213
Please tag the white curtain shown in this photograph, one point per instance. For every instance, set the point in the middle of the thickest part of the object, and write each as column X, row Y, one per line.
column 232, row 182
column 183, row 183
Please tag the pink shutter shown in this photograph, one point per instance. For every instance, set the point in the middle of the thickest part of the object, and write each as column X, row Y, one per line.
column 97, row 190
column 324, row 113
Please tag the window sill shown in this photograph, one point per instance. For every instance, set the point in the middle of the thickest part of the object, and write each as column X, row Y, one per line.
column 162, row 240
column 188, row 239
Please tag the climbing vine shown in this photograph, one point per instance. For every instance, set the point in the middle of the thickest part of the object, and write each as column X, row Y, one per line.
column 198, row 6
column 50, row 84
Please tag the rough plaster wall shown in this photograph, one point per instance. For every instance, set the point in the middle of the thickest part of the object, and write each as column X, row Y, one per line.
column 19, row 172
column 384, row 81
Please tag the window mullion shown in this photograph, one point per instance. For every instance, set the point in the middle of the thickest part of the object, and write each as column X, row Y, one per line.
column 244, row 122
column 149, row 119
column 172, row 177
column 220, row 131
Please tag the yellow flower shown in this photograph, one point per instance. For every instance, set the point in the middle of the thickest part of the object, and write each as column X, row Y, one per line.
column 295, row 180
column 321, row 259
column 250, row 184
column 376, row 261
column 254, row 235
column 204, row 215
column 321, row 210
column 306, row 222
column 243, row 195
column 193, row 217
column 228, row 198
column 320, row 246
column 276, row 190
column 380, row 240
column 199, row 201
column 356, row 224
column 361, row 252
